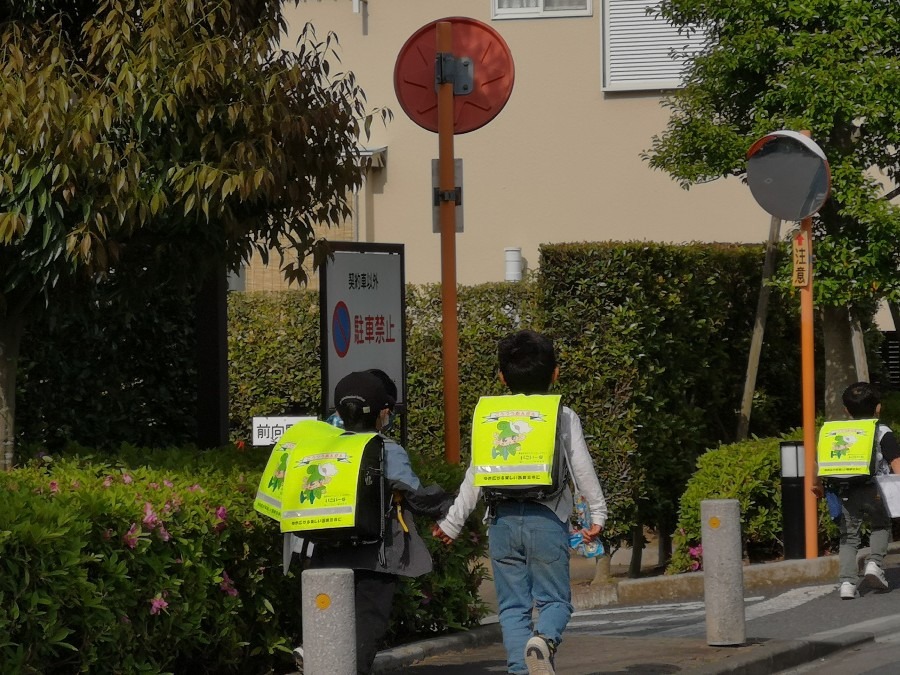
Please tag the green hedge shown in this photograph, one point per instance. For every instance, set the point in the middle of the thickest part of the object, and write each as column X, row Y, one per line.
column 749, row 472
column 158, row 563
column 661, row 334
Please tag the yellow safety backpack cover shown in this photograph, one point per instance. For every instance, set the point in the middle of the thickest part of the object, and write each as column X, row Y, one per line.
column 846, row 449
column 516, row 451
column 326, row 484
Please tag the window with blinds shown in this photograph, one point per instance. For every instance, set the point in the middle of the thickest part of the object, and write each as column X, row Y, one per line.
column 539, row 9
column 637, row 48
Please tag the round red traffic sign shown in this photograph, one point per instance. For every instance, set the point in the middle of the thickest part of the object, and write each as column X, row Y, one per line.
column 493, row 77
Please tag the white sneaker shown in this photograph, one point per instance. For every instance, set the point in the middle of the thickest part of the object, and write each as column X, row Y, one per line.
column 874, row 577
column 848, row 591
column 298, row 659
column 539, row 656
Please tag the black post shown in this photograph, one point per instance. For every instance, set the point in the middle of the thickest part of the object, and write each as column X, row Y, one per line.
column 212, row 361
column 792, row 512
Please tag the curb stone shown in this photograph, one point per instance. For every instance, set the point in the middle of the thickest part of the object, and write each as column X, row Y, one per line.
column 398, row 658
column 773, row 658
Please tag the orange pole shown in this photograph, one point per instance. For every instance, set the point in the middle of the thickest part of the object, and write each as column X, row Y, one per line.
column 447, row 212
column 807, row 356
column 808, row 380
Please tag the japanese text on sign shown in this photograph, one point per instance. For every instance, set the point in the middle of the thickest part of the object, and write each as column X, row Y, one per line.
column 802, row 260
column 357, row 281
column 267, row 430
column 377, row 329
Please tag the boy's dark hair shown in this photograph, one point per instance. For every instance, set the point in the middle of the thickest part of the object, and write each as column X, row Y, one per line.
column 527, row 362
column 861, row 399
column 359, row 398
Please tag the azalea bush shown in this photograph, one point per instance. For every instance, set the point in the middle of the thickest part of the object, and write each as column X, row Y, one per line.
column 108, row 568
column 750, row 472
column 156, row 561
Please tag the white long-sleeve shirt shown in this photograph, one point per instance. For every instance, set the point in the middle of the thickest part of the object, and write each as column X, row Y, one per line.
column 581, row 471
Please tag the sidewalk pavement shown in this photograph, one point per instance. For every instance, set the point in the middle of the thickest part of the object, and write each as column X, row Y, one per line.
column 480, row 650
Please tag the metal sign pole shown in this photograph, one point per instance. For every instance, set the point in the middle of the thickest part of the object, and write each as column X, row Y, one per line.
column 446, row 188
column 807, row 352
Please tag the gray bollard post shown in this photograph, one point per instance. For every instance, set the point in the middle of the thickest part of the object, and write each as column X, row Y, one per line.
column 329, row 622
column 723, row 572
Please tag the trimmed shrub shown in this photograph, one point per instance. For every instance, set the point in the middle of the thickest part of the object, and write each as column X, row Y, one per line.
column 157, row 562
column 749, row 472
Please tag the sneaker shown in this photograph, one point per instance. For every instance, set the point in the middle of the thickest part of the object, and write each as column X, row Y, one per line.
column 848, row 591
column 539, row 653
column 298, row 659
column 874, row 577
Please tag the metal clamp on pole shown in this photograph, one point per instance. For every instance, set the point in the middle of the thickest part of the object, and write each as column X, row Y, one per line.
column 460, row 72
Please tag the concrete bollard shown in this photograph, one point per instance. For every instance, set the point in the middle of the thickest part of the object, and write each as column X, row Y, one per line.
column 723, row 572
column 329, row 622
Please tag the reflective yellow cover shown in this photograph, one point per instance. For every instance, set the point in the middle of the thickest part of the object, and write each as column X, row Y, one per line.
column 271, row 486
column 513, row 440
column 320, row 488
column 845, row 448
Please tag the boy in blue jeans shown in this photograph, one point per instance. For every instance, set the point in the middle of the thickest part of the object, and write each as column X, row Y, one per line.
column 529, row 538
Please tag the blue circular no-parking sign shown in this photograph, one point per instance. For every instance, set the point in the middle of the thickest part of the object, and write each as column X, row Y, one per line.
column 340, row 329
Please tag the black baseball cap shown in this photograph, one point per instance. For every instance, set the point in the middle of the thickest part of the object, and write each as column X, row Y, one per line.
column 365, row 388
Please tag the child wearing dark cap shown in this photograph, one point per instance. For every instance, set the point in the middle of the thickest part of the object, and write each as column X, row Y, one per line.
column 365, row 404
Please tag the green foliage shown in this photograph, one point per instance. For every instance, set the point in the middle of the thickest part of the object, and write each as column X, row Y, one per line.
column 112, row 561
column 273, row 356
column 830, row 68
column 486, row 313
column 653, row 341
column 447, row 599
column 161, row 140
column 103, row 562
column 103, row 368
column 749, row 472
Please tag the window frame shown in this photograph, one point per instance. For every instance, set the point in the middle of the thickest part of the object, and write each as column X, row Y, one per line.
column 539, row 12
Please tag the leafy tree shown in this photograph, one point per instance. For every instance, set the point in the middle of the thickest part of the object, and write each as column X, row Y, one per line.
column 829, row 67
column 166, row 137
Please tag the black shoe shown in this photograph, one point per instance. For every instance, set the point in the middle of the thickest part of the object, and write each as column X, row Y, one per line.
column 539, row 653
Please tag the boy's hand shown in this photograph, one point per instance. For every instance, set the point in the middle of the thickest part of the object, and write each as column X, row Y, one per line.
column 438, row 533
column 591, row 533
column 818, row 489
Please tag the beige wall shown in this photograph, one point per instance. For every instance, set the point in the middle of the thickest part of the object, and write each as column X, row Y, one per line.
column 560, row 163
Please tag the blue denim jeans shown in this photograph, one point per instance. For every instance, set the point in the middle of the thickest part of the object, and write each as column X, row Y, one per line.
column 529, row 549
column 860, row 502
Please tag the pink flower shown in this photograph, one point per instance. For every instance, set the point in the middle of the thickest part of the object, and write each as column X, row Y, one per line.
column 227, row 585
column 150, row 518
column 54, row 486
column 168, row 483
column 221, row 513
column 240, row 445
column 154, row 486
column 108, row 481
column 157, row 604
column 194, row 488
column 127, row 479
column 163, row 532
column 130, row 538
